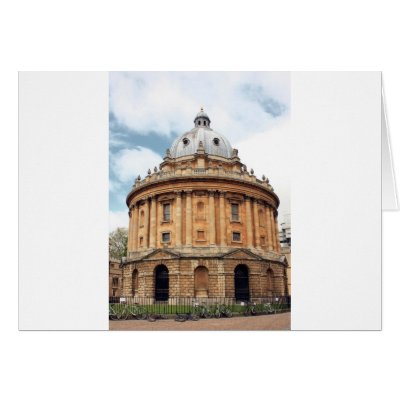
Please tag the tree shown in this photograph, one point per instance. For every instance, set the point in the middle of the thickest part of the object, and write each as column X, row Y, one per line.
column 118, row 243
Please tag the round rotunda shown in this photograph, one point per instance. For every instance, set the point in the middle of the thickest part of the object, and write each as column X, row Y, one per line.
column 202, row 225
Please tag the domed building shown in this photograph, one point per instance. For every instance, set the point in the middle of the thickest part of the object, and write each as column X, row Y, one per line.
column 202, row 225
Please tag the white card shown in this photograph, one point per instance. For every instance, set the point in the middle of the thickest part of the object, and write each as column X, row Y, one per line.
column 337, row 139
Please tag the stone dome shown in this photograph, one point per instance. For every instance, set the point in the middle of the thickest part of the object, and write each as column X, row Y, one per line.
column 213, row 142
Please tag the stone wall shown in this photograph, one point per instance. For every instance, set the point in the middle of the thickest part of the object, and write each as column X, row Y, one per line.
column 221, row 277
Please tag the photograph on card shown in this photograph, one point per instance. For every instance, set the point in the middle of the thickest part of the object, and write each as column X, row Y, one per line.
column 199, row 201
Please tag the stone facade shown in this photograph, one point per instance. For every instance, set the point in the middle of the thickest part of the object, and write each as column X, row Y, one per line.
column 202, row 225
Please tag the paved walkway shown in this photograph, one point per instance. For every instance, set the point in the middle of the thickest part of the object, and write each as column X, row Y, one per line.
column 258, row 323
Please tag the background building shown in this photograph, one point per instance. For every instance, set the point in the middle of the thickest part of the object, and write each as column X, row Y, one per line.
column 286, row 247
column 285, row 234
column 203, row 225
column 114, row 278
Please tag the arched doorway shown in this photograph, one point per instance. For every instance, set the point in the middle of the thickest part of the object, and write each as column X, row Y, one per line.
column 135, row 282
column 201, row 282
column 161, row 284
column 242, row 291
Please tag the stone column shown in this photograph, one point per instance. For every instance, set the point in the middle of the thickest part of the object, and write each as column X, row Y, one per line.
column 270, row 243
column 211, row 216
column 278, row 244
column 222, row 225
column 146, row 224
column 153, row 226
column 249, row 228
column 158, row 225
column 178, row 225
column 130, row 235
column 189, row 229
column 135, row 227
column 273, row 230
column 256, row 223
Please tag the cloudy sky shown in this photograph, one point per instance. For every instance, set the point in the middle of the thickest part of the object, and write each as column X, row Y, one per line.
column 148, row 110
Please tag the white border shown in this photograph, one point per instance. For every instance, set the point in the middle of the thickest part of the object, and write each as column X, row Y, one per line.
column 63, row 200
column 336, row 200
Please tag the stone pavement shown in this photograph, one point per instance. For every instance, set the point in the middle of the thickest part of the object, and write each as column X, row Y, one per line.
column 257, row 323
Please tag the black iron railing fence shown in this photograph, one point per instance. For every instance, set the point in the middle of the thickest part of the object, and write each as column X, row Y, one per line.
column 176, row 305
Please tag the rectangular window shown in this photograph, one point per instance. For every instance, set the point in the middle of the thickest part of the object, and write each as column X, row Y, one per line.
column 236, row 236
column 262, row 240
column 115, row 281
column 167, row 212
column 200, row 235
column 166, row 237
column 235, row 212
column 141, row 241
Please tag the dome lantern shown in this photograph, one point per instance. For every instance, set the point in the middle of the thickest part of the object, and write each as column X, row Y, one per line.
column 202, row 119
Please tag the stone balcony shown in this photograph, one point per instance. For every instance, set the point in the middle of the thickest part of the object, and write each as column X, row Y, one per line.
column 216, row 172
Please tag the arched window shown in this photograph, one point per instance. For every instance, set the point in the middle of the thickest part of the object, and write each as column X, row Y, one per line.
column 161, row 283
column 135, row 282
column 201, row 282
column 242, row 291
column 235, row 212
column 166, row 212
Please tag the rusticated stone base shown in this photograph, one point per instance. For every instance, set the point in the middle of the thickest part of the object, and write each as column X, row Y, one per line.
column 266, row 275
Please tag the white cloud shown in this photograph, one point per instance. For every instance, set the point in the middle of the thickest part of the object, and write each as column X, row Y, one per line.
column 118, row 219
column 114, row 186
column 168, row 101
column 268, row 153
column 129, row 163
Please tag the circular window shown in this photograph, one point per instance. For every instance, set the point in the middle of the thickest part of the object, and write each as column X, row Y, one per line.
column 185, row 141
column 216, row 141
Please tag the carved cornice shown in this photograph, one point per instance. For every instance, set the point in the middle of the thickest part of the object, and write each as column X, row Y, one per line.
column 171, row 179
